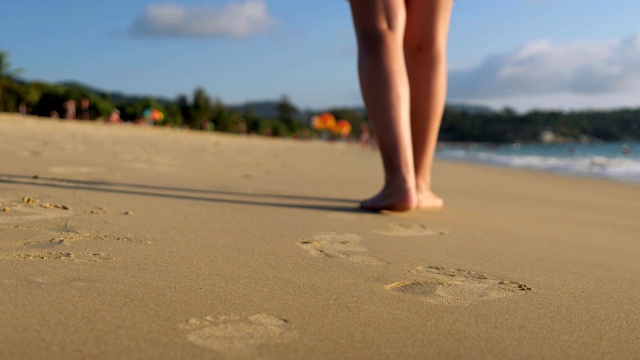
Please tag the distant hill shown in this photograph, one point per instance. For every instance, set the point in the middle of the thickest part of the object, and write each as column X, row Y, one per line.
column 261, row 108
column 471, row 109
column 76, row 85
column 269, row 109
column 114, row 96
column 264, row 108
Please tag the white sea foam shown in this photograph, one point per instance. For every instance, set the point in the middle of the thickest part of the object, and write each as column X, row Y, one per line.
column 583, row 160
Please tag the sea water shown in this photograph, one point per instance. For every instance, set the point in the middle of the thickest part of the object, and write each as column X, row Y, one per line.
column 614, row 160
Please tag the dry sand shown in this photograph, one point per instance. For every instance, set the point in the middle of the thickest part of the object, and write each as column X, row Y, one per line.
column 121, row 242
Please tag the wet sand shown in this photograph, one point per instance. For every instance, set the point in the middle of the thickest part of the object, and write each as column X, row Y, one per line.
column 130, row 242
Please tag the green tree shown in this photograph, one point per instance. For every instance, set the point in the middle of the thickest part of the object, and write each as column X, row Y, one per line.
column 51, row 99
column 8, row 88
column 200, row 110
column 255, row 124
column 173, row 116
column 287, row 114
column 223, row 119
column 28, row 94
column 182, row 103
column 100, row 107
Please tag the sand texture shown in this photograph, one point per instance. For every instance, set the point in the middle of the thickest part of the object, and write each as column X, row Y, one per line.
column 123, row 242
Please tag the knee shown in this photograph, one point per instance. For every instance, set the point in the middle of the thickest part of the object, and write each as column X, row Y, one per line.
column 425, row 45
column 425, row 48
column 377, row 38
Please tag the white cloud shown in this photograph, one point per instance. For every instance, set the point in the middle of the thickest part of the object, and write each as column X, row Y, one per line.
column 543, row 68
column 235, row 19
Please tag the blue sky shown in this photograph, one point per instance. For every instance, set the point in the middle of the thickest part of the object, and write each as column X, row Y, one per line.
column 568, row 54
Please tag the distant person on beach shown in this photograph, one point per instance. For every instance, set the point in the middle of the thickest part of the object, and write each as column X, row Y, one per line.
column 403, row 77
column 22, row 108
column 84, row 108
column 366, row 138
column 625, row 150
column 114, row 117
column 70, row 109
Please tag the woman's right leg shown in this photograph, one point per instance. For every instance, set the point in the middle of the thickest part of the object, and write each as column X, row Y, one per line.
column 380, row 26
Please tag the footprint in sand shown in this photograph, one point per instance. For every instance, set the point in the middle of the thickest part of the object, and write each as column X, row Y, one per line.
column 411, row 230
column 29, row 209
column 333, row 245
column 18, row 242
column 29, row 243
column 67, row 238
column 455, row 286
column 235, row 336
column 55, row 255
column 51, row 280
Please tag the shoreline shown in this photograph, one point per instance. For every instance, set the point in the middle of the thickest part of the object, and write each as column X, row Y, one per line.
column 598, row 161
column 574, row 175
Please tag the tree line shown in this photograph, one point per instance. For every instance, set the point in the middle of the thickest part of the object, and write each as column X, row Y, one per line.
column 201, row 111
column 507, row 126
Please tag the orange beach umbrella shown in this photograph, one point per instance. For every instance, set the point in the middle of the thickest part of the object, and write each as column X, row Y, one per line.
column 324, row 121
column 342, row 128
column 153, row 114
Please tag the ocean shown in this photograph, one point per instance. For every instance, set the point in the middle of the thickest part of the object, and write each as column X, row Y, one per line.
column 619, row 161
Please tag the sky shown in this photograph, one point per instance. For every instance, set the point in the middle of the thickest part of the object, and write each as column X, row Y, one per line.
column 525, row 54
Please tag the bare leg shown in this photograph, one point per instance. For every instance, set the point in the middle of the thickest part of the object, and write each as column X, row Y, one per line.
column 380, row 28
column 425, row 52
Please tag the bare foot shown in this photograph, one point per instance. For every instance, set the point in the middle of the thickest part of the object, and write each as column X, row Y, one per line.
column 392, row 200
column 428, row 200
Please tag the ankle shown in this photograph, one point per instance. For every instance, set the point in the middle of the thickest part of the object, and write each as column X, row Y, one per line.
column 400, row 182
column 423, row 185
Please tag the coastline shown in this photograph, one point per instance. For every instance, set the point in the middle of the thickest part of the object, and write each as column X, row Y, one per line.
column 180, row 244
column 591, row 160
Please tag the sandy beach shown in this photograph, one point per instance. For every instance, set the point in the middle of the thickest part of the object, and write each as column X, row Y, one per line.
column 125, row 242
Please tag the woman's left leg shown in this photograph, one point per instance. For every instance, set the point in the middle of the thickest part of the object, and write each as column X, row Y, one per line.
column 425, row 48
